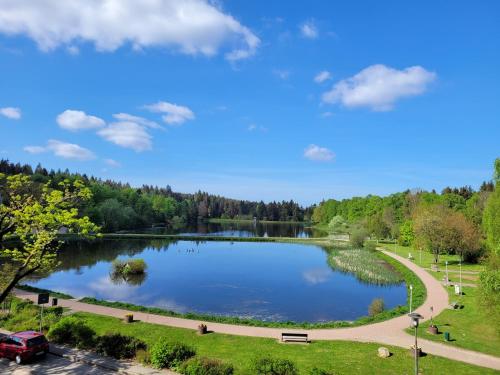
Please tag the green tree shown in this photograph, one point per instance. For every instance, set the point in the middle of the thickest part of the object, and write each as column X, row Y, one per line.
column 443, row 230
column 337, row 224
column 35, row 217
column 406, row 233
column 489, row 279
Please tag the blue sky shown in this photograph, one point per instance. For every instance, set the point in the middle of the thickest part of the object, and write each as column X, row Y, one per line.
column 254, row 100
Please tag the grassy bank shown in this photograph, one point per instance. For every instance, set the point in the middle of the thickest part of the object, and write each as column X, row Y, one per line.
column 469, row 327
column 248, row 322
column 33, row 289
column 339, row 357
column 250, row 221
column 145, row 236
column 364, row 264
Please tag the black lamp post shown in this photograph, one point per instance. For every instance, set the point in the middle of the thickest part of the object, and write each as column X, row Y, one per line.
column 415, row 317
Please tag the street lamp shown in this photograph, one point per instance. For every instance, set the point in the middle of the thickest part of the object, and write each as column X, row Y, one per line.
column 447, row 280
column 460, row 264
column 415, row 317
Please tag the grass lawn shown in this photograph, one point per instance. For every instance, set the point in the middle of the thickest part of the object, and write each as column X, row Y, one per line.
column 455, row 277
column 338, row 357
column 470, row 328
column 427, row 258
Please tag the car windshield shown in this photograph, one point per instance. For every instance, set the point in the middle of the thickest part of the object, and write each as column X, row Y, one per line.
column 36, row 341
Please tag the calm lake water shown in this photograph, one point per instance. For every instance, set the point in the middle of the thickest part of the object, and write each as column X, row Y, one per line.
column 267, row 281
column 241, row 229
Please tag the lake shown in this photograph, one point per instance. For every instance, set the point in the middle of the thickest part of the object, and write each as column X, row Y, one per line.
column 266, row 281
column 240, row 229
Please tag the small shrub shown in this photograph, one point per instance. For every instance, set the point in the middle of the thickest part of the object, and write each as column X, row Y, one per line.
column 170, row 354
column 376, row 307
column 274, row 366
column 129, row 267
column 72, row 331
column 143, row 356
column 118, row 346
column 318, row 371
column 370, row 245
column 358, row 237
column 205, row 366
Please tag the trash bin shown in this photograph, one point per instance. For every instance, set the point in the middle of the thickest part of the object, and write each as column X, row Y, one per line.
column 447, row 336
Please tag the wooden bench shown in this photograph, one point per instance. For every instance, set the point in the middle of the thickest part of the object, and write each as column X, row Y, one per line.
column 294, row 337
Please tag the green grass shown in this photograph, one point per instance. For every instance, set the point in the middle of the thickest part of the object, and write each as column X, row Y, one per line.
column 340, row 357
column 428, row 258
column 455, row 277
column 470, row 328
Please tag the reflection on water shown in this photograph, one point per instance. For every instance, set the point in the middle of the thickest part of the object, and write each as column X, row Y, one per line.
column 240, row 229
column 267, row 281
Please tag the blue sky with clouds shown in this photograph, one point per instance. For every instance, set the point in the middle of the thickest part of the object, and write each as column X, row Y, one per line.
column 253, row 99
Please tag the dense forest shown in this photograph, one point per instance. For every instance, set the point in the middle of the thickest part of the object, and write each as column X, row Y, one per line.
column 117, row 206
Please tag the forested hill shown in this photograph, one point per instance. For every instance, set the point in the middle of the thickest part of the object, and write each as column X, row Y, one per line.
column 116, row 206
column 384, row 216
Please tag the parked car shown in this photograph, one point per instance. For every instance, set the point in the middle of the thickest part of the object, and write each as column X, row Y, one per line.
column 24, row 346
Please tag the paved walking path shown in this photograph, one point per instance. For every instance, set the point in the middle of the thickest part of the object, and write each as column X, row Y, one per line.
column 389, row 332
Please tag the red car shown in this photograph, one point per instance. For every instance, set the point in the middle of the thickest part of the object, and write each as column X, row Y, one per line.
column 24, row 346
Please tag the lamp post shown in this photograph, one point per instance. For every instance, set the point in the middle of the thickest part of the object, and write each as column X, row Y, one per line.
column 460, row 264
column 415, row 317
column 447, row 280
column 411, row 296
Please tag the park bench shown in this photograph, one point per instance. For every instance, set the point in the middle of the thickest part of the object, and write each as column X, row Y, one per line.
column 454, row 305
column 294, row 337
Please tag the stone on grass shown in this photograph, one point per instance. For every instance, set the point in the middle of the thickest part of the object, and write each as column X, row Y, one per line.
column 383, row 352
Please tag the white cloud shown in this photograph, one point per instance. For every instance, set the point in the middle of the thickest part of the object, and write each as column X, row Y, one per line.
column 78, row 120
column 378, row 87
column 255, row 127
column 139, row 120
column 127, row 134
column 34, row 149
column 11, row 112
column 73, row 50
column 189, row 26
column 63, row 150
column 112, row 163
column 323, row 76
column 282, row 74
column 69, row 150
column 309, row 29
column 317, row 153
column 326, row 114
column 174, row 114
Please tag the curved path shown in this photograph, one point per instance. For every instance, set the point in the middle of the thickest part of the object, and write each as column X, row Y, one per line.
column 389, row 332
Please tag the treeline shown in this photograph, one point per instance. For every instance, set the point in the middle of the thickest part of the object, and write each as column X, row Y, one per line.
column 446, row 222
column 118, row 206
